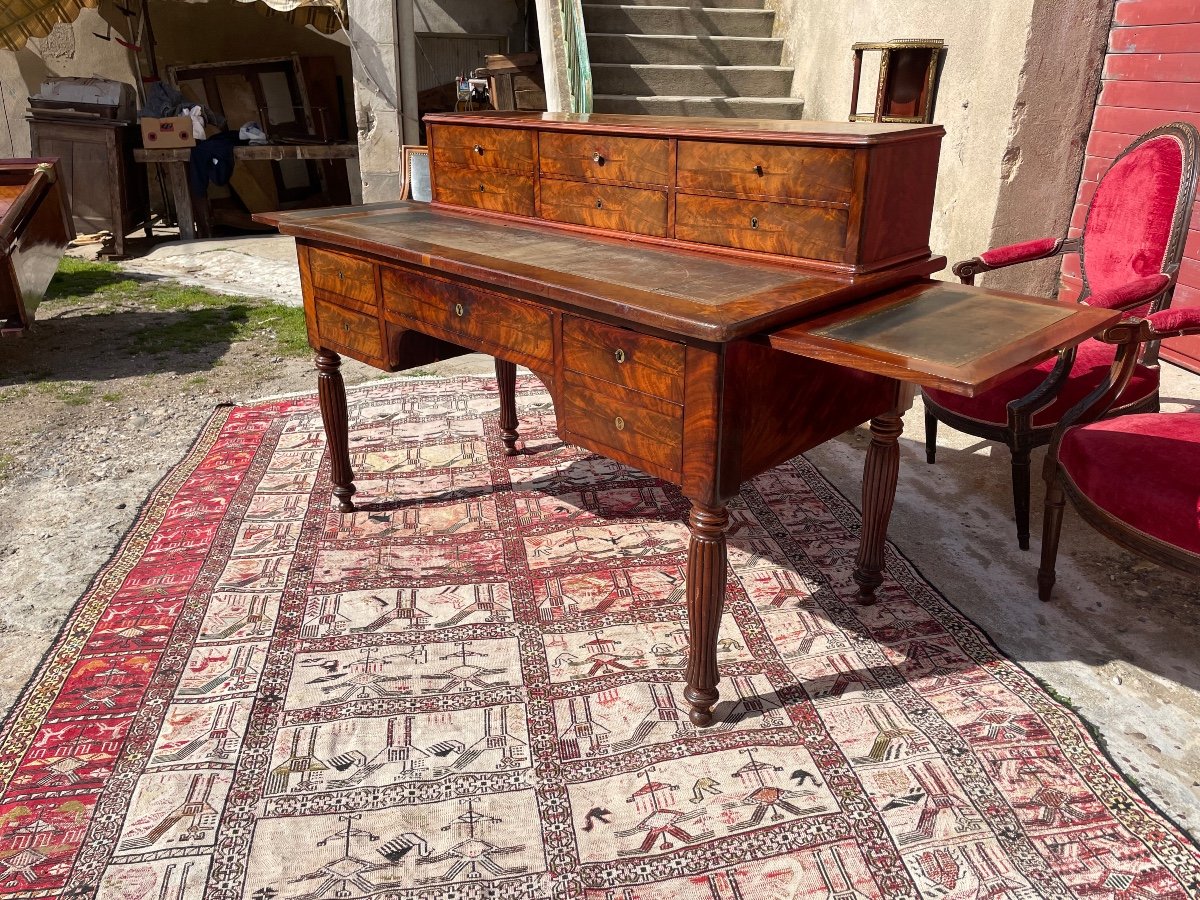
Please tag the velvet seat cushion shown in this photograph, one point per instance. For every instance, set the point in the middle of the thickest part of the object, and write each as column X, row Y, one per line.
column 1142, row 469
column 1092, row 366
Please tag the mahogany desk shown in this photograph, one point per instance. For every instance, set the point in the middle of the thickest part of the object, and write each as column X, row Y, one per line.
column 669, row 361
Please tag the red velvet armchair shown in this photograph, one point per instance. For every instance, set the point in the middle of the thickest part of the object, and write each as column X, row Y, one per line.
column 1090, row 459
column 1129, row 254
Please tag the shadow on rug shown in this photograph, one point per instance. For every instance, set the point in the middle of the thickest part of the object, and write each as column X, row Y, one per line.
column 472, row 688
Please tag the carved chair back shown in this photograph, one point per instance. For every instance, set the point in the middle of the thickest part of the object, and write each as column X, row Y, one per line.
column 1137, row 220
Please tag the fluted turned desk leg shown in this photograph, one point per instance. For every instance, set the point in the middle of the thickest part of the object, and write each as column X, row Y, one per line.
column 706, row 573
column 506, row 382
column 331, row 393
column 880, row 473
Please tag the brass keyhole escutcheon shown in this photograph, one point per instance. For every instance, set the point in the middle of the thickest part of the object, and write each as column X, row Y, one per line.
column 478, row 149
column 341, row 276
column 599, row 204
column 620, row 423
column 345, row 326
column 458, row 309
column 758, row 170
column 754, row 222
column 619, row 356
column 482, row 188
column 598, row 158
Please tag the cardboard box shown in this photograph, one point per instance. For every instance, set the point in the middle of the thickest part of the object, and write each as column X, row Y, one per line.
column 175, row 131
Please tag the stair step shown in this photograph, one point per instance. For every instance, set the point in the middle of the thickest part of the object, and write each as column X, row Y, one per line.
column 719, row 107
column 614, row 19
column 718, row 4
column 743, row 81
column 684, row 49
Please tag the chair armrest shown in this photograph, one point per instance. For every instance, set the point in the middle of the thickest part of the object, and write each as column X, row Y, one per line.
column 1013, row 254
column 1131, row 294
column 1174, row 323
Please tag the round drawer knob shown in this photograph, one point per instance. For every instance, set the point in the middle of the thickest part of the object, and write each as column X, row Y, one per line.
column 599, row 203
column 478, row 149
column 753, row 221
column 758, row 170
column 620, row 423
column 619, row 355
column 598, row 158
column 458, row 309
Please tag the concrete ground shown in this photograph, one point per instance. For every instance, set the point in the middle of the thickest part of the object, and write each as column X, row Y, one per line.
column 1120, row 639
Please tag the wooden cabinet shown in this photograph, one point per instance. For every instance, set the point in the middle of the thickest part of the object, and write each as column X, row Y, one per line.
column 106, row 189
column 846, row 199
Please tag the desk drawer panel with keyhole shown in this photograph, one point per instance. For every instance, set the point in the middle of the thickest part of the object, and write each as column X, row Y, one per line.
column 505, row 192
column 637, row 426
column 604, row 157
column 647, row 364
column 459, row 146
column 628, row 209
column 348, row 331
column 524, row 329
column 342, row 275
column 745, row 170
column 791, row 229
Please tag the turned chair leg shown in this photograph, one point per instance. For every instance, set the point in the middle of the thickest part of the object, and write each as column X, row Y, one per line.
column 1020, row 480
column 931, row 424
column 1051, row 531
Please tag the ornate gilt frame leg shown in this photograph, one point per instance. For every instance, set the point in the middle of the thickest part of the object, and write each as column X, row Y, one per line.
column 331, row 394
column 1051, row 531
column 706, row 575
column 1020, row 483
column 880, row 474
column 506, row 382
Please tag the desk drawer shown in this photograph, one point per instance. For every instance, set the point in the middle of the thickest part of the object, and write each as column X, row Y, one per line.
column 643, row 427
column 628, row 209
column 481, row 189
column 514, row 325
column 793, row 173
column 345, row 330
column 465, row 146
column 603, row 157
column 647, row 364
column 344, row 275
column 815, row 232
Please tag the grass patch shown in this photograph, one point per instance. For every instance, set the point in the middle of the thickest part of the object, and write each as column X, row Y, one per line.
column 197, row 318
column 71, row 393
column 8, row 463
column 111, row 397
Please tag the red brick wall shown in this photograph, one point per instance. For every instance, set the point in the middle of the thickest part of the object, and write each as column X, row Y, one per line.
column 1151, row 76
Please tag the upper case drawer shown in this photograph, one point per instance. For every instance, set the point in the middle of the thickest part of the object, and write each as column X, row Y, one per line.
column 459, row 146
column 482, row 189
column 770, row 170
column 628, row 209
column 815, row 232
column 647, row 364
column 341, row 274
column 604, row 157
column 521, row 328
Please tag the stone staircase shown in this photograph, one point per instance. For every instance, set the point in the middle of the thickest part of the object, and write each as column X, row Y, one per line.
column 679, row 57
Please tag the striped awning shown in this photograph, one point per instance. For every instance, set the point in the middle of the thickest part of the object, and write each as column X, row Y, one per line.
column 22, row 19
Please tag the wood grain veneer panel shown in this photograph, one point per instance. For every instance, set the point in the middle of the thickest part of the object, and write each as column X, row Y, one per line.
column 495, row 191
column 621, row 356
column 342, row 274
column 354, row 333
column 794, row 173
column 631, row 160
column 815, row 232
column 455, row 308
column 635, row 425
column 630, row 209
column 481, row 147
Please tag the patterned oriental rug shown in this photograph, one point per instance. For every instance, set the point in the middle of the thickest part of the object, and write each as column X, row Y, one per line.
column 472, row 689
